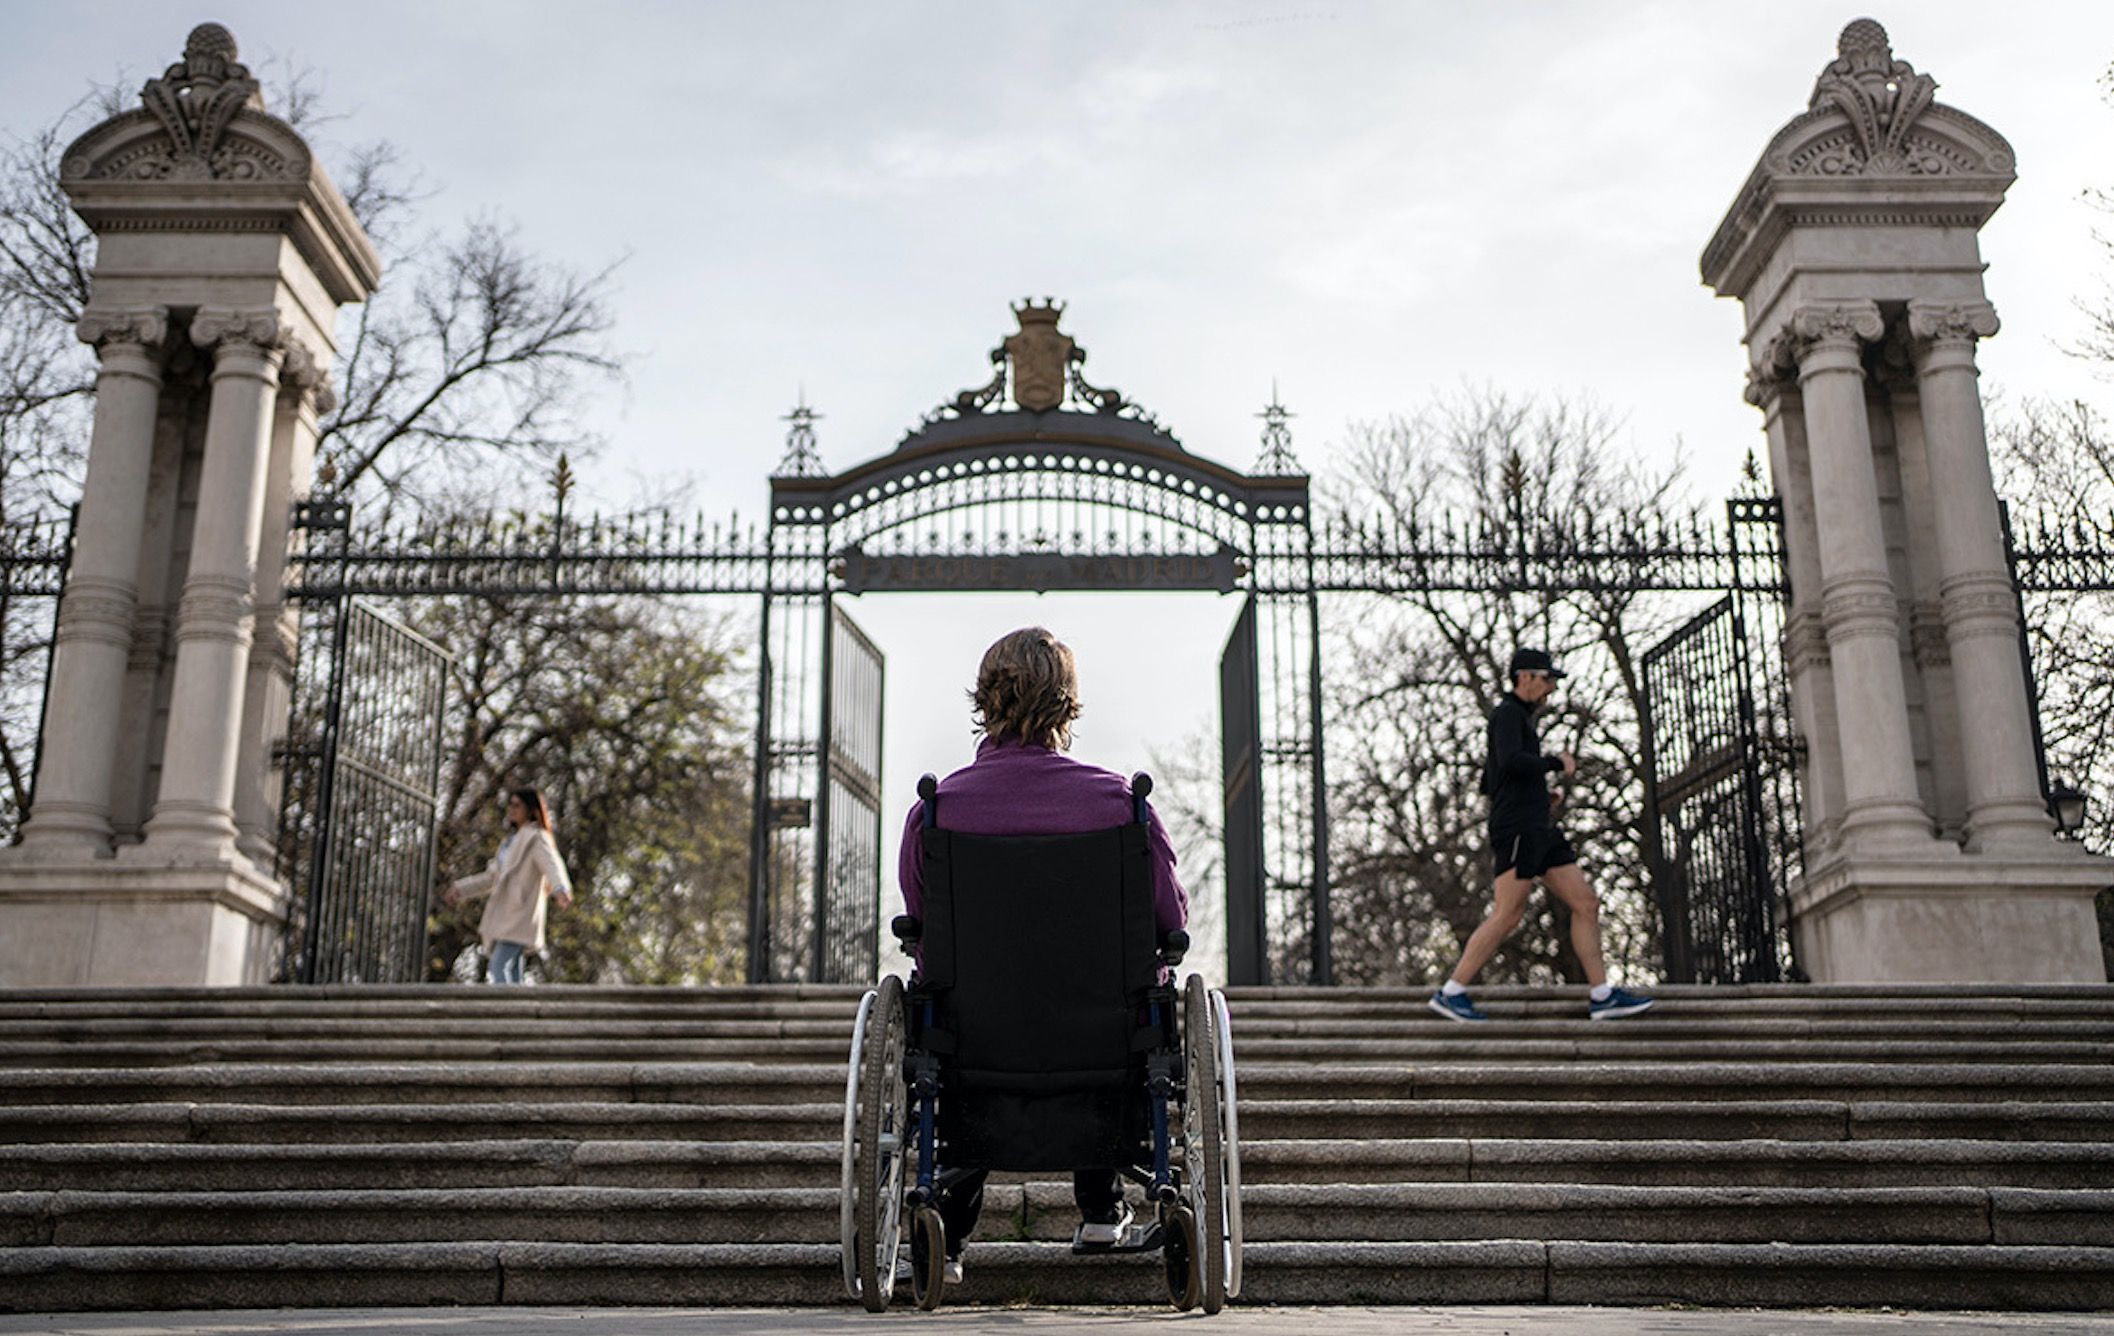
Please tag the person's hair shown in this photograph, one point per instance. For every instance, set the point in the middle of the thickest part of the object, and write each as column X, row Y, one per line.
column 539, row 811
column 1027, row 687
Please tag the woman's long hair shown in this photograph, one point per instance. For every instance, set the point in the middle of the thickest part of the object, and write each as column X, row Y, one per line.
column 539, row 811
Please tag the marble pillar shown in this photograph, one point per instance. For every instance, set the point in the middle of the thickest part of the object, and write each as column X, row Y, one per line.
column 2004, row 804
column 71, row 817
column 1859, row 609
column 194, row 819
column 304, row 392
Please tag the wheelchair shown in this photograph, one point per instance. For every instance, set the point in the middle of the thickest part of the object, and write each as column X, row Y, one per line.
column 1036, row 1034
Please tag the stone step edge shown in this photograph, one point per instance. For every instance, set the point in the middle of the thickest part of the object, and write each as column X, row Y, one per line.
column 809, row 1274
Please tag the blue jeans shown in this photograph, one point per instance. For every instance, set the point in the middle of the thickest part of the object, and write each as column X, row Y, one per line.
column 506, row 963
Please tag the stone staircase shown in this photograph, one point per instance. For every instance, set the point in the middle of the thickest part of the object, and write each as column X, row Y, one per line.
column 1912, row 1147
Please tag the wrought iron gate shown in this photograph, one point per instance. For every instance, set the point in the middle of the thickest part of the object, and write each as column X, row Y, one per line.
column 1240, row 739
column 1705, row 823
column 361, row 809
column 848, row 878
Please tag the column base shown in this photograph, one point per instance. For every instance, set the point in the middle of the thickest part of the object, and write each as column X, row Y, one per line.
column 185, row 835
column 1967, row 918
column 109, row 924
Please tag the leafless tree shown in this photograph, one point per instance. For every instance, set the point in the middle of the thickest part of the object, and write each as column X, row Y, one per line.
column 1411, row 867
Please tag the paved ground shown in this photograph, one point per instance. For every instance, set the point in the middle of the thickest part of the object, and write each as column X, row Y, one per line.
column 1054, row 1322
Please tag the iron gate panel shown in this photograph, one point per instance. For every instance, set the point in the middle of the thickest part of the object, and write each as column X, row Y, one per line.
column 848, row 881
column 1240, row 741
column 1710, row 865
column 359, row 822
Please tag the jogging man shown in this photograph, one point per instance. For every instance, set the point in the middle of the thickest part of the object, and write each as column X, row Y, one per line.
column 1527, row 847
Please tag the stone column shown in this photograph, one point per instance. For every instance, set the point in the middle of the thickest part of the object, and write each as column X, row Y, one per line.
column 1805, row 640
column 304, row 391
column 2004, row 804
column 1881, row 805
column 94, row 638
column 193, row 817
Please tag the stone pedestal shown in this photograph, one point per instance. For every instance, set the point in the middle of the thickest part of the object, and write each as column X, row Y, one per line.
column 1853, row 251
column 1857, row 918
column 223, row 253
column 115, row 924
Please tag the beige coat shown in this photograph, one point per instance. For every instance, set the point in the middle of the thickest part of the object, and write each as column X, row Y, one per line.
column 519, row 881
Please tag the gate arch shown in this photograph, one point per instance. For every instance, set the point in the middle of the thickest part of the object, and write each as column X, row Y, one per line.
column 1034, row 481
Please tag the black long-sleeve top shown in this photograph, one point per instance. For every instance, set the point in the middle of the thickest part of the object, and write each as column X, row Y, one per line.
column 1516, row 773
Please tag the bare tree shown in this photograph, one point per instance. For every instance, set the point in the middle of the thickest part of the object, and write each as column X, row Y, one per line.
column 1411, row 866
column 475, row 351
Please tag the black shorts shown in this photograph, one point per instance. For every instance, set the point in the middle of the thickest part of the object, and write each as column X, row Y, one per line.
column 1530, row 851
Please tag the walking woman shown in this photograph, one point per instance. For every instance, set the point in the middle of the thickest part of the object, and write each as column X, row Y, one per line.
column 523, row 876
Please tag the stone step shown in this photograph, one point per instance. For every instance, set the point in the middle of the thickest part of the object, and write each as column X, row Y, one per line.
column 1489, row 1272
column 834, row 1023
column 814, row 1083
column 1044, row 1211
column 165, row 1167
column 1261, row 1120
column 1686, row 1163
column 1332, row 1051
column 284, row 1124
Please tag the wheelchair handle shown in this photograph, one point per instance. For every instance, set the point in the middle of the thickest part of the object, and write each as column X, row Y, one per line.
column 1140, row 789
column 909, row 930
column 1173, row 947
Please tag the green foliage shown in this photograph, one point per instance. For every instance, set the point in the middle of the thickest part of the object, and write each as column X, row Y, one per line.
column 624, row 713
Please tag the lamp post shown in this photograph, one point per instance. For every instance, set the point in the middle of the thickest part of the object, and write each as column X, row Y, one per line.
column 2068, row 805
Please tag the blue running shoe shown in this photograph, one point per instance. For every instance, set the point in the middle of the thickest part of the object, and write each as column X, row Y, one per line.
column 1456, row 1008
column 1616, row 1003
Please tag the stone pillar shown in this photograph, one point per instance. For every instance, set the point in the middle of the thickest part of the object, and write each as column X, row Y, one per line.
column 1881, row 805
column 2004, row 803
column 1805, row 639
column 304, row 392
column 194, row 818
column 94, row 638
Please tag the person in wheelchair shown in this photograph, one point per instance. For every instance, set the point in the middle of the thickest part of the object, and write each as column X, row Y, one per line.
column 1022, row 782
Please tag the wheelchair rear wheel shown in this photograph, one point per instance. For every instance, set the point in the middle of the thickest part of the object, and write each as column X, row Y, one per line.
column 928, row 1258
column 884, row 1147
column 1203, row 1141
column 1181, row 1257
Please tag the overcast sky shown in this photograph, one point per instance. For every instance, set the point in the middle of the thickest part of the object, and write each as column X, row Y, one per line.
column 1367, row 202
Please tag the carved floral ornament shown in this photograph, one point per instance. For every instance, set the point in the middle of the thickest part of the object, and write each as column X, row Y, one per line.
column 1872, row 114
column 203, row 119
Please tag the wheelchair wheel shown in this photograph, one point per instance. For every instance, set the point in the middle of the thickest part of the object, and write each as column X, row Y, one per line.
column 928, row 1258
column 1181, row 1257
column 873, row 1208
column 1203, row 1141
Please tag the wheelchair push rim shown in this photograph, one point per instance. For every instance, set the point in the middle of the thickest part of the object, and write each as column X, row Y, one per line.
column 1203, row 1143
column 1230, row 1127
column 871, row 1217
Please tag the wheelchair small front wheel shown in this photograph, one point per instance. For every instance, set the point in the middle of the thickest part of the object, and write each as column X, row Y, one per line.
column 1181, row 1257
column 928, row 1258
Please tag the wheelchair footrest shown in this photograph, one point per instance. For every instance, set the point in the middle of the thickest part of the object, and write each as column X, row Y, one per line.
column 1138, row 1236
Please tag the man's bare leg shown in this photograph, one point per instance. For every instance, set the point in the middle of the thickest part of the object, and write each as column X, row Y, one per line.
column 1568, row 884
column 1509, row 903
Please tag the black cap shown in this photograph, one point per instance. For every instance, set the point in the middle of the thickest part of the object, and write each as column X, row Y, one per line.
column 1534, row 661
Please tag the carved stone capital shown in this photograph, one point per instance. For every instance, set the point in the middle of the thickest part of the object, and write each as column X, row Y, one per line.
column 1835, row 325
column 105, row 326
column 305, row 373
column 1951, row 322
column 256, row 327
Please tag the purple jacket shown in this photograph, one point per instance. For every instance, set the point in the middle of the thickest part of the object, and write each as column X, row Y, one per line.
column 1012, row 788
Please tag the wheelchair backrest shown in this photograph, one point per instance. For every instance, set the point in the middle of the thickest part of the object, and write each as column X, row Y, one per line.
column 1038, row 950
